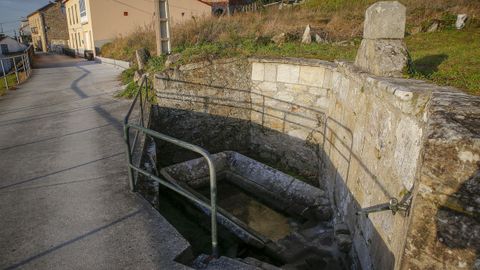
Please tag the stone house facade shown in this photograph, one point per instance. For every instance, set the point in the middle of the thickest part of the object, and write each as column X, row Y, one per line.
column 49, row 26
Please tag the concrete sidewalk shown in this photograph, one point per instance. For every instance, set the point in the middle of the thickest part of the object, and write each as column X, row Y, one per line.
column 64, row 199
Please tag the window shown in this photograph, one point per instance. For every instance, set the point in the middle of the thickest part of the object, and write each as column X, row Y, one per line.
column 83, row 12
column 4, row 48
column 83, row 9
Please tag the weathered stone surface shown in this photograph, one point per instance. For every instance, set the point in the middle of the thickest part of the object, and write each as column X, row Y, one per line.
column 270, row 72
column 461, row 19
column 137, row 76
column 280, row 38
column 385, row 19
column 409, row 142
column 205, row 262
column 383, row 57
column 307, row 36
column 319, row 39
column 142, row 56
column 258, row 70
column 445, row 228
column 172, row 59
column 433, row 27
column 311, row 75
column 288, row 73
column 344, row 242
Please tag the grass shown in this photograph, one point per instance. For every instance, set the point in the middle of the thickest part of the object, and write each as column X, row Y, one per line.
column 12, row 82
column 131, row 89
column 448, row 57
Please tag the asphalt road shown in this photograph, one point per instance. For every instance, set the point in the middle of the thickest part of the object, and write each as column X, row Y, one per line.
column 64, row 199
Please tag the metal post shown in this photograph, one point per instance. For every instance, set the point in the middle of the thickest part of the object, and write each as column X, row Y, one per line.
column 16, row 70
column 141, row 102
column 4, row 74
column 212, row 172
column 28, row 65
column 162, row 27
column 24, row 65
column 213, row 206
column 126, row 132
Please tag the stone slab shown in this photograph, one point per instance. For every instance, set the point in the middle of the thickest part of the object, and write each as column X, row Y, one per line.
column 383, row 57
column 385, row 20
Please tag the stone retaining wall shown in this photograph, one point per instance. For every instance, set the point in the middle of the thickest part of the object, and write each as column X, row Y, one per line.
column 362, row 137
column 365, row 138
column 207, row 104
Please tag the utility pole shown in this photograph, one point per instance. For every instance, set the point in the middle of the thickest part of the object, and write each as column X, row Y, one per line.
column 162, row 27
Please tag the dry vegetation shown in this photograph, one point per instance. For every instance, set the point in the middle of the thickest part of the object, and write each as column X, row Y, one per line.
column 246, row 34
column 124, row 47
column 338, row 19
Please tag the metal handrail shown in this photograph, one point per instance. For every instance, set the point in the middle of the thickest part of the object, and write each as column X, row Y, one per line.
column 140, row 127
column 22, row 64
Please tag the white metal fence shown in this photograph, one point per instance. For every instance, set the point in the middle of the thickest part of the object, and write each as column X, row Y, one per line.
column 15, row 69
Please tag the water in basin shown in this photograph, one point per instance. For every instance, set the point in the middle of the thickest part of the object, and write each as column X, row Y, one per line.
column 257, row 215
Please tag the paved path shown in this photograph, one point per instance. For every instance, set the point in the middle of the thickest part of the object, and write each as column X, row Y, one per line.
column 64, row 199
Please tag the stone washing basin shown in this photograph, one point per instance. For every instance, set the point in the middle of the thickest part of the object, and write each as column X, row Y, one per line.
column 259, row 204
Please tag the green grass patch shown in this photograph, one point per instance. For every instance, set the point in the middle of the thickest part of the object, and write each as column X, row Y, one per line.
column 252, row 47
column 131, row 89
column 12, row 82
column 449, row 57
column 129, row 92
column 127, row 75
column 156, row 63
column 328, row 52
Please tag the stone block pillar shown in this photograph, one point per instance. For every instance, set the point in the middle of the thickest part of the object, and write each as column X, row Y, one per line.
column 383, row 51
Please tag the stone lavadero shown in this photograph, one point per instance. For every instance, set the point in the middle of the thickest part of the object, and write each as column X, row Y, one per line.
column 364, row 138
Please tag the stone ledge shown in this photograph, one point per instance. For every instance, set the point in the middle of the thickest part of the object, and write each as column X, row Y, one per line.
column 293, row 61
column 409, row 96
column 202, row 64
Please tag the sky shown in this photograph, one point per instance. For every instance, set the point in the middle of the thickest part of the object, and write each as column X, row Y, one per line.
column 11, row 12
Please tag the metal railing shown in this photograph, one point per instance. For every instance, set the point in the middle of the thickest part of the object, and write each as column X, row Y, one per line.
column 19, row 65
column 142, row 98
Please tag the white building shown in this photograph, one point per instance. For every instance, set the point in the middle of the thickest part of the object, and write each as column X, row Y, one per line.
column 9, row 46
